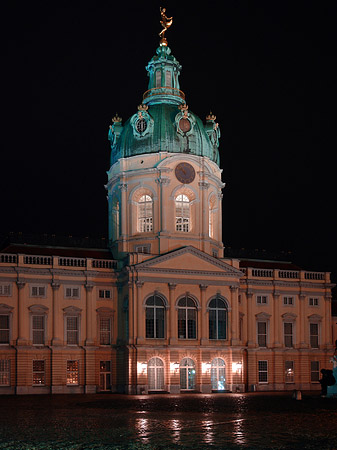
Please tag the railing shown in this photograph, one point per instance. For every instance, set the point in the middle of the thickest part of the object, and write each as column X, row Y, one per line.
column 56, row 261
column 314, row 275
column 164, row 90
column 288, row 274
column 284, row 274
column 262, row 273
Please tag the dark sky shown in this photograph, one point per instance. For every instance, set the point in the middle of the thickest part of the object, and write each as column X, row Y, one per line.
column 267, row 69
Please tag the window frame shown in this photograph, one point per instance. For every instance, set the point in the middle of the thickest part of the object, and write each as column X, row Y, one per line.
column 217, row 309
column 286, row 299
column 5, row 287
column 261, row 303
column 289, row 378
column 41, row 290
column 5, row 372
column 6, row 310
column 186, row 319
column 313, row 302
column 288, row 336
column 316, row 372
column 70, row 372
column 73, row 289
column 258, row 334
column 261, row 372
column 145, row 218
column 39, row 372
column 182, row 221
column 314, row 336
column 155, row 307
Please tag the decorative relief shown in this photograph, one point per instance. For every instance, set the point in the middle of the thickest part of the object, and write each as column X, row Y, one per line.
column 142, row 122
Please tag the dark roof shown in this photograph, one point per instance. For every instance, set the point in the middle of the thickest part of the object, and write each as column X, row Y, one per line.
column 260, row 264
column 52, row 245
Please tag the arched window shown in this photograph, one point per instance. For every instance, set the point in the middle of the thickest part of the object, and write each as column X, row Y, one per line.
column 158, row 78
column 211, row 217
column 182, row 213
column 155, row 374
column 218, row 374
column 145, row 208
column 217, row 319
column 187, row 374
column 187, row 318
column 155, row 318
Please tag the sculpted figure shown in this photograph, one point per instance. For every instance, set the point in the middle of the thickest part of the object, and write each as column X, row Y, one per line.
column 166, row 22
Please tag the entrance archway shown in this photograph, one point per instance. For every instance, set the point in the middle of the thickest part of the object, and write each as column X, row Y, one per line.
column 187, row 374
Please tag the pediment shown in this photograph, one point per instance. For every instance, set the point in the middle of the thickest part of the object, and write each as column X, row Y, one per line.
column 188, row 260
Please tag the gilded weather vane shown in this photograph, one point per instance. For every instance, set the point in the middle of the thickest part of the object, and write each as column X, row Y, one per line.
column 165, row 22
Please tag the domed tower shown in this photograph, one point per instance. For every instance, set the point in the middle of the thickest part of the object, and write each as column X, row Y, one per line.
column 164, row 183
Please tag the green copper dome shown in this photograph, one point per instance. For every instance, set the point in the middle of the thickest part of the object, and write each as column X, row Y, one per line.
column 163, row 121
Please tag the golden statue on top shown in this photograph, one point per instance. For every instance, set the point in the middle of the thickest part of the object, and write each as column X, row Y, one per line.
column 165, row 22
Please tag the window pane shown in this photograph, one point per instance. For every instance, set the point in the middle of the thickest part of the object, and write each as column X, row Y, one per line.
column 191, row 324
column 263, row 371
column 160, row 327
column 289, row 371
column 4, row 329
column 4, row 372
column 72, row 372
column 39, row 372
column 221, row 324
column 72, row 330
column 182, row 323
column 212, row 324
column 149, row 322
column 105, row 331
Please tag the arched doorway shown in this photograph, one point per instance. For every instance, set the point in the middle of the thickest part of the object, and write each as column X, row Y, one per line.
column 155, row 373
column 218, row 374
column 187, row 374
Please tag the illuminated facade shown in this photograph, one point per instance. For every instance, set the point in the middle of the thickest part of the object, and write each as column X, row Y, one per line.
column 167, row 311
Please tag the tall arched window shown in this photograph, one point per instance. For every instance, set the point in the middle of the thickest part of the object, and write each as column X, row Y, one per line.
column 217, row 318
column 218, row 374
column 182, row 213
column 155, row 374
column 145, row 213
column 211, row 217
column 155, row 317
column 187, row 374
column 187, row 318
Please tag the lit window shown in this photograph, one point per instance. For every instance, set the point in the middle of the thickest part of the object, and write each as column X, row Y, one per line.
column 289, row 371
column 155, row 317
column 217, row 319
column 314, row 371
column 187, row 318
column 105, row 375
column 72, row 330
column 4, row 328
column 262, row 334
column 263, row 371
column 187, row 374
column 38, row 372
column 218, row 374
column 105, row 330
column 38, row 329
column 314, row 335
column 145, row 220
column 72, row 372
column 288, row 334
column 182, row 213
column 155, row 374
column 4, row 372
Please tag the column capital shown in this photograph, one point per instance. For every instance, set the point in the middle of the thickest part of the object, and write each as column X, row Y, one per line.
column 89, row 287
column 20, row 284
column 123, row 186
column 55, row 285
column 203, row 287
column 172, row 286
column 139, row 283
column 233, row 288
column 203, row 185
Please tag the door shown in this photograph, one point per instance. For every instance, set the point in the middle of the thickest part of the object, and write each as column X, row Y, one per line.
column 105, row 376
column 218, row 374
column 187, row 374
column 155, row 373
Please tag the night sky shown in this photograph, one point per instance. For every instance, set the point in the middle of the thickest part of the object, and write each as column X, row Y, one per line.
column 267, row 69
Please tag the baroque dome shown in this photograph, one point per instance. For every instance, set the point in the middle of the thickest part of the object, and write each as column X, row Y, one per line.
column 163, row 121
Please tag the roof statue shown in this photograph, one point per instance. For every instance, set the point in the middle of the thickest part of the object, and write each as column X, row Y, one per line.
column 166, row 22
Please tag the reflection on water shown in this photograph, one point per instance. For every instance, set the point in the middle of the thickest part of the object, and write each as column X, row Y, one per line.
column 239, row 433
column 175, row 429
column 208, row 431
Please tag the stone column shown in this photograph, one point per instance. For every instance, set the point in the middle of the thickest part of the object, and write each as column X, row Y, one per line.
column 328, row 321
column 172, row 333
column 277, row 322
column 250, row 320
column 203, row 185
column 131, row 313
column 56, row 332
column 124, row 208
column 90, row 315
column 203, row 328
column 21, row 340
column 303, row 336
column 140, row 313
column 219, row 236
column 235, row 315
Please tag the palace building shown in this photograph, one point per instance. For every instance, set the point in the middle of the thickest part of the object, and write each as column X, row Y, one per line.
column 161, row 307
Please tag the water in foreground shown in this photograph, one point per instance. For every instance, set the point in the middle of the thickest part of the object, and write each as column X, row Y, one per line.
column 221, row 421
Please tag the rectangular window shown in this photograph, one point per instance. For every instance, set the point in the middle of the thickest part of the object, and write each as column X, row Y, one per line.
column 72, row 330
column 262, row 334
column 168, row 78
column 38, row 372
column 288, row 334
column 261, row 299
column 313, row 301
column 263, row 371
column 5, row 290
column 72, row 372
column 4, row 328
column 288, row 301
column 5, row 372
column 289, row 371
column 38, row 291
column 38, row 330
column 104, row 293
column 142, row 248
column 72, row 292
column 105, row 330
column 105, row 375
column 314, row 335
column 314, row 371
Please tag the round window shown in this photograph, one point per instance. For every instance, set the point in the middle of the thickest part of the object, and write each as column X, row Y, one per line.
column 184, row 125
column 141, row 125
